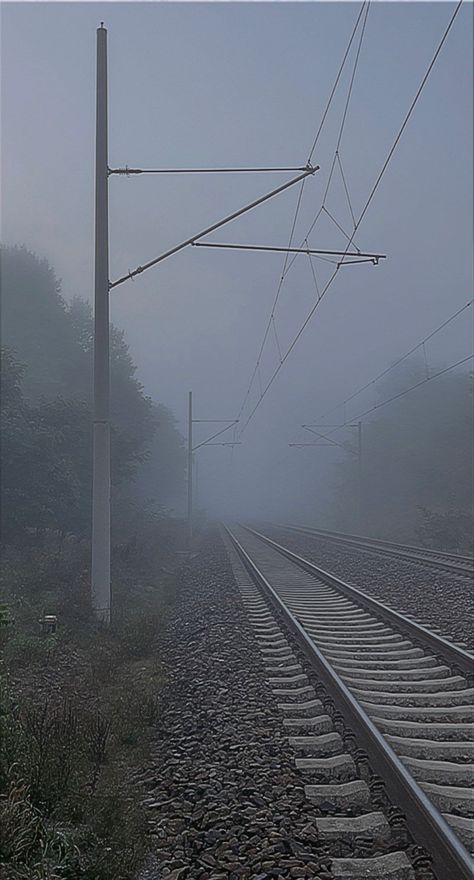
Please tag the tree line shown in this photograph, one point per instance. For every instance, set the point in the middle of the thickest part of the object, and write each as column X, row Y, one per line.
column 415, row 478
column 46, row 394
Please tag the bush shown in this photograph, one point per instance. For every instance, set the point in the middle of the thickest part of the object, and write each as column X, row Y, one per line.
column 103, row 659
column 54, row 764
column 29, row 850
column 50, row 751
column 138, row 635
column 111, row 843
column 451, row 530
column 26, row 650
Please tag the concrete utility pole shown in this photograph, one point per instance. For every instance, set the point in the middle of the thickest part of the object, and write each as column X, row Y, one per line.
column 196, row 480
column 100, row 575
column 101, row 436
column 190, row 469
column 361, row 478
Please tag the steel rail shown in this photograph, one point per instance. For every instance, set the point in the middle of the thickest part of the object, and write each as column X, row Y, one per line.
column 452, row 654
column 451, row 860
column 437, row 558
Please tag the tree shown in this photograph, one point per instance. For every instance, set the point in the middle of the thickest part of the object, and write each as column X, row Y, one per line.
column 36, row 483
column 49, row 430
column 417, row 455
column 35, row 323
column 161, row 476
column 46, row 460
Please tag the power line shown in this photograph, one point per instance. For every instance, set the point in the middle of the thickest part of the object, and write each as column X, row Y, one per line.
column 362, row 215
column 397, row 362
column 298, row 205
column 407, row 117
column 354, row 71
column 339, row 138
column 341, row 68
column 275, row 301
column 412, row 387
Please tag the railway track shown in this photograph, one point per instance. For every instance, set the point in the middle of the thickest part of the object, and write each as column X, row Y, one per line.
column 406, row 693
column 461, row 565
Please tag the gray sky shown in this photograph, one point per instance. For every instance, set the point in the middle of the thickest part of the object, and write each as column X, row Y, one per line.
column 246, row 84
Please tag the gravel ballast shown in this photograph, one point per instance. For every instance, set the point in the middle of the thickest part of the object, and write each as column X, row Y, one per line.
column 225, row 798
column 436, row 598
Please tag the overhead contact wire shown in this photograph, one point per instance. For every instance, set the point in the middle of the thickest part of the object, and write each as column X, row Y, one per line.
column 364, row 211
column 295, row 218
column 396, row 363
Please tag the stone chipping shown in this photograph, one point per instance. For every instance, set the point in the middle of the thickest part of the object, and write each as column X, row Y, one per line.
column 225, row 798
column 441, row 600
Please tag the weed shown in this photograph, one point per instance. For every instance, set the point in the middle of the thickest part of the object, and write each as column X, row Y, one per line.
column 96, row 734
column 50, row 751
column 138, row 635
column 104, row 659
column 28, row 650
column 29, row 849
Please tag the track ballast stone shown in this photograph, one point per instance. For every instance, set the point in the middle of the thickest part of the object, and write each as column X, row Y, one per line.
column 226, row 800
column 441, row 600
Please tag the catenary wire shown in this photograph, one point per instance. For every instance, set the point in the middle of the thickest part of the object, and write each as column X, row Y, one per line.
column 396, row 363
column 362, row 215
column 365, row 6
column 341, row 68
column 366, row 412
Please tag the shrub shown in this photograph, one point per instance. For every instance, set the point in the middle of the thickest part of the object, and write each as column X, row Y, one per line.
column 30, row 849
column 51, row 751
column 449, row 530
column 138, row 635
column 28, row 650
column 104, row 658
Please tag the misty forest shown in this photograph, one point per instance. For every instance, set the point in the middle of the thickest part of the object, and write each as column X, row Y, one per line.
column 182, row 627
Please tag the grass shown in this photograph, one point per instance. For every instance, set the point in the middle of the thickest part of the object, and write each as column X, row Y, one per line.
column 76, row 713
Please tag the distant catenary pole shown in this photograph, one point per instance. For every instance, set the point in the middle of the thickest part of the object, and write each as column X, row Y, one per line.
column 190, row 468
column 101, row 435
column 361, row 478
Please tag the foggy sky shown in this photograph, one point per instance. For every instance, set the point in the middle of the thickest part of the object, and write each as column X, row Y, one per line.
column 246, row 84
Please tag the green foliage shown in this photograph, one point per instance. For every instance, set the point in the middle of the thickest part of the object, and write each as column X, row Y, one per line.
column 66, row 811
column 27, row 650
column 138, row 634
column 417, row 454
column 35, row 322
column 6, row 623
column 451, row 530
column 65, row 761
column 6, row 618
column 103, row 657
column 63, row 812
column 161, row 475
column 46, row 459
column 47, row 387
column 29, row 848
